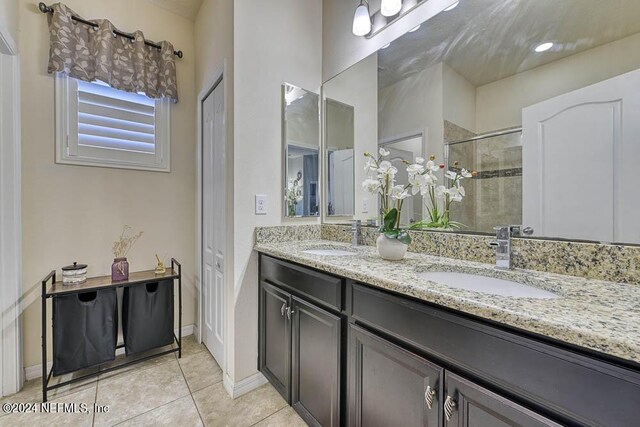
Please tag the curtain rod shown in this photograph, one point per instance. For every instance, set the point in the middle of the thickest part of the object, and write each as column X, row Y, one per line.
column 48, row 9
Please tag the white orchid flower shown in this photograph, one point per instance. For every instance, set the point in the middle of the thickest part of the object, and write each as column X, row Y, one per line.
column 371, row 185
column 432, row 166
column 415, row 169
column 420, row 160
column 387, row 169
column 451, row 174
column 420, row 184
column 398, row 192
column 455, row 195
column 461, row 190
column 465, row 173
column 441, row 191
column 383, row 152
column 370, row 166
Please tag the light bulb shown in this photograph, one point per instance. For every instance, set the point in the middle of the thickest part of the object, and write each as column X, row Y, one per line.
column 415, row 28
column 361, row 20
column 390, row 7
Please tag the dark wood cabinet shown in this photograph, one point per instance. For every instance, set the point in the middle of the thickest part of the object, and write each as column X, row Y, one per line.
column 466, row 404
column 390, row 386
column 275, row 338
column 300, row 339
column 343, row 353
column 316, row 363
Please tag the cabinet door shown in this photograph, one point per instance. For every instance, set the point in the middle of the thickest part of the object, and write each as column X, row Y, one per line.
column 275, row 338
column 316, row 364
column 390, row 386
column 468, row 404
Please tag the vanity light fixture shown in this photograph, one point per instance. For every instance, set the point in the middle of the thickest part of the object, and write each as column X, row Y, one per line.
column 544, row 47
column 362, row 19
column 390, row 7
column 453, row 6
column 415, row 28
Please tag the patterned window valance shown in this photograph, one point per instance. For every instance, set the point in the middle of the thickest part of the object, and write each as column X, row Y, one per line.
column 90, row 54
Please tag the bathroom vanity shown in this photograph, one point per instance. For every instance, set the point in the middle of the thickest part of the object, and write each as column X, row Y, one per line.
column 350, row 340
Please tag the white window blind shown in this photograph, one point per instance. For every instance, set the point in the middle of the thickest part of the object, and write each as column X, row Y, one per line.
column 103, row 126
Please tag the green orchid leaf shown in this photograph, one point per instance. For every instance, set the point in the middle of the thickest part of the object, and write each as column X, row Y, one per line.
column 392, row 234
column 390, row 219
column 404, row 237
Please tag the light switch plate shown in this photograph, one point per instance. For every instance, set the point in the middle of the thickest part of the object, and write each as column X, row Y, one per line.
column 365, row 205
column 261, row 204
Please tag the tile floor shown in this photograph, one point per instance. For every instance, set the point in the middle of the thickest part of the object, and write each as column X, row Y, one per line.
column 163, row 391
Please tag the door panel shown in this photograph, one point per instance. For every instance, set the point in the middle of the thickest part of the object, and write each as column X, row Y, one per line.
column 474, row 406
column 389, row 386
column 316, row 363
column 275, row 338
column 593, row 130
column 213, row 220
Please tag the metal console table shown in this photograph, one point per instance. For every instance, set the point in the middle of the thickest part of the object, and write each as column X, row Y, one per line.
column 96, row 283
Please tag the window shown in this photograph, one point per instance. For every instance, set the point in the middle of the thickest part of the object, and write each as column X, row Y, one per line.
column 97, row 125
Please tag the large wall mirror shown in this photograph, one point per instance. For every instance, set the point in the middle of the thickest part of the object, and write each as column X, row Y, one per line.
column 539, row 98
column 301, row 147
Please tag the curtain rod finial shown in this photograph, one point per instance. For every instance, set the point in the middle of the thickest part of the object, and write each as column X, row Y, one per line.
column 44, row 8
column 179, row 54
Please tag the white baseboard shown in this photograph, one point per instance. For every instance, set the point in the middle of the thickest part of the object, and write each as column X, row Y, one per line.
column 243, row 386
column 35, row 371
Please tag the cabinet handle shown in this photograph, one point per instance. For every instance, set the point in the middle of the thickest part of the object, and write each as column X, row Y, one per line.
column 449, row 406
column 289, row 312
column 429, row 394
column 284, row 306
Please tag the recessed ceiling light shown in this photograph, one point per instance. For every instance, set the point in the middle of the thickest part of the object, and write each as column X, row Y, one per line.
column 386, row 46
column 453, row 6
column 544, row 47
column 414, row 28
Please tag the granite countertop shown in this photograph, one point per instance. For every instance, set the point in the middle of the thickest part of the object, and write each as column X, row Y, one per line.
column 594, row 314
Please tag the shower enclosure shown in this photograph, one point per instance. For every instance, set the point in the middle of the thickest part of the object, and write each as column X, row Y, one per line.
column 494, row 194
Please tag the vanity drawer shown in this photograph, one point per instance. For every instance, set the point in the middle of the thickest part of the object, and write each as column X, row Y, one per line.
column 571, row 386
column 318, row 287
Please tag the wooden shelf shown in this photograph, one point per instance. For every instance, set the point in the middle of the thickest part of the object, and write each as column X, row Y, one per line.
column 103, row 282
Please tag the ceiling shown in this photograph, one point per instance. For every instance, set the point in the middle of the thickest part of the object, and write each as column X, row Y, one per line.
column 488, row 40
column 187, row 8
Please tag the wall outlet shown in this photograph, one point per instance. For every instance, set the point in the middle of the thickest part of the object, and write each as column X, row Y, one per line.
column 261, row 204
column 365, row 205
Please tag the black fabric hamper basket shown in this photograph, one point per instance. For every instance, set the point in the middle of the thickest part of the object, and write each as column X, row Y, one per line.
column 147, row 316
column 85, row 330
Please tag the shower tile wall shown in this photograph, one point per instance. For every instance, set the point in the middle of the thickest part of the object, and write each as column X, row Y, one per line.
column 494, row 196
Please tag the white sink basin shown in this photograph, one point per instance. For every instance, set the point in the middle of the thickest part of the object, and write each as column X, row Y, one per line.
column 329, row 252
column 486, row 285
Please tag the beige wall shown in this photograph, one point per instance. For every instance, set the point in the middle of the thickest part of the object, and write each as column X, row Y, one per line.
column 74, row 213
column 499, row 104
column 214, row 52
column 458, row 99
column 9, row 20
column 275, row 41
column 414, row 105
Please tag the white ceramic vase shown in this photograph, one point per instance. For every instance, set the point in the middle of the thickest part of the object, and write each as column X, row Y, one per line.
column 391, row 249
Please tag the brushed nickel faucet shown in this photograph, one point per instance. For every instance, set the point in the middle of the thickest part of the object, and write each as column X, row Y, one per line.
column 355, row 232
column 502, row 243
